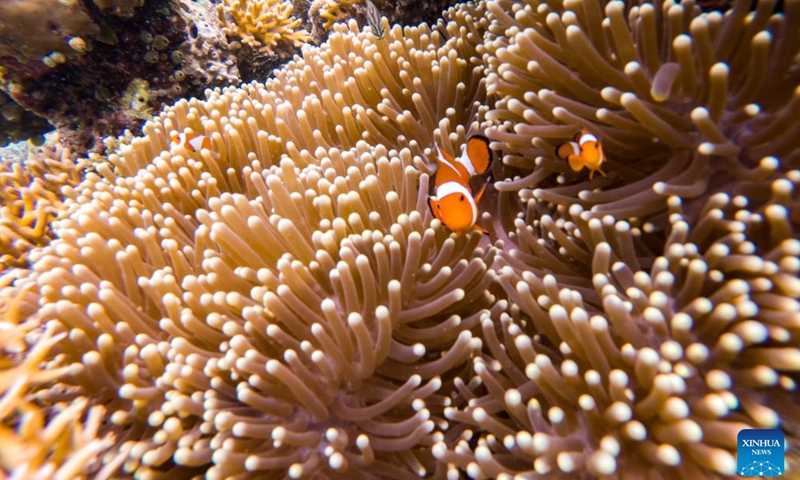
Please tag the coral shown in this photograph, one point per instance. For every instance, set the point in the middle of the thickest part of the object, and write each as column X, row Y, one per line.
column 30, row 193
column 203, row 57
column 137, row 99
column 81, row 87
column 261, row 24
column 324, row 13
column 411, row 12
column 282, row 304
column 75, row 74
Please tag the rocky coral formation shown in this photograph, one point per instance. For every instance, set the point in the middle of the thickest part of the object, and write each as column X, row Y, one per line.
column 120, row 8
column 77, row 74
column 322, row 14
column 203, row 59
column 27, row 38
column 283, row 304
column 73, row 62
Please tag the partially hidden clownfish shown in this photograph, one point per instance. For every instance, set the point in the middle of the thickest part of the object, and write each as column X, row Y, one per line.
column 454, row 203
column 585, row 150
column 191, row 141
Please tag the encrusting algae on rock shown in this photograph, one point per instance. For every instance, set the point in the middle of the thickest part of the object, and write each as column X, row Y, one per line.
column 282, row 303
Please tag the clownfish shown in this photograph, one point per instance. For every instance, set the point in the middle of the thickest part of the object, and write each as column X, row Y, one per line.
column 191, row 141
column 454, row 203
column 584, row 151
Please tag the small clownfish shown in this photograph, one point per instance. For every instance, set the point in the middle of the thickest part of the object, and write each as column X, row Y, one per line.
column 454, row 204
column 191, row 141
column 584, row 151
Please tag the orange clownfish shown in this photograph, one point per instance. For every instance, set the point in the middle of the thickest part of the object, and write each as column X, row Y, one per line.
column 191, row 141
column 584, row 151
column 454, row 204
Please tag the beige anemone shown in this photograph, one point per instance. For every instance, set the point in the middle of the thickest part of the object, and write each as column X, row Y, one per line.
column 638, row 368
column 277, row 304
column 684, row 102
column 30, row 198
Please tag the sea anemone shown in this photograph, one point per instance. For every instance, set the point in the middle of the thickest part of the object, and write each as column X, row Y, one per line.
column 276, row 304
column 30, row 197
column 637, row 370
column 677, row 96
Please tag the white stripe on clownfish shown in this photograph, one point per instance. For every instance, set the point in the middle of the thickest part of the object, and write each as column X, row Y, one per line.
column 587, row 137
column 197, row 142
column 450, row 188
column 576, row 149
column 444, row 160
column 191, row 141
column 464, row 160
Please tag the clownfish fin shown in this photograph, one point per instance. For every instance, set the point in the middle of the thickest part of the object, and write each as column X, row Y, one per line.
column 478, row 195
column 443, row 157
column 598, row 171
column 450, row 170
column 195, row 142
column 432, row 205
column 478, row 228
column 567, row 149
column 479, row 153
column 575, row 163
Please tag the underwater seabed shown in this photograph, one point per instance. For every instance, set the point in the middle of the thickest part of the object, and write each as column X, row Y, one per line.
column 279, row 300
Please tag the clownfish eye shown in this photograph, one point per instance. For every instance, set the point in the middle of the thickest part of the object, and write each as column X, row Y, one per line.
column 461, row 199
column 438, row 206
